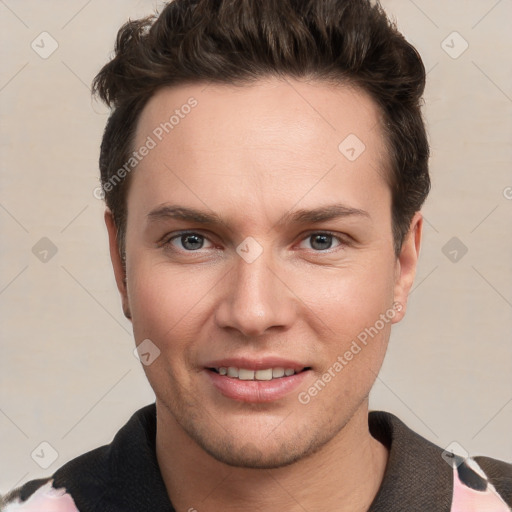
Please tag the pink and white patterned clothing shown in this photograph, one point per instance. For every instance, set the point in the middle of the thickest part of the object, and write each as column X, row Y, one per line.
column 124, row 476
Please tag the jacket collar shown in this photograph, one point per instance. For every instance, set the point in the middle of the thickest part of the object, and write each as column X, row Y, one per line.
column 124, row 475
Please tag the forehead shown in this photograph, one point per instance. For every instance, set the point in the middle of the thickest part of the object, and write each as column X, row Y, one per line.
column 276, row 138
column 221, row 113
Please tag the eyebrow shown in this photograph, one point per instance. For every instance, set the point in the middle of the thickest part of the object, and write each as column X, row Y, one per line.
column 316, row 215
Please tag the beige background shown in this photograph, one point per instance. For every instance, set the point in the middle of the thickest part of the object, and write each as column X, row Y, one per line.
column 67, row 372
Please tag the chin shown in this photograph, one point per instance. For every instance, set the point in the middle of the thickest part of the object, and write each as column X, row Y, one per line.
column 261, row 453
column 253, row 443
column 251, row 457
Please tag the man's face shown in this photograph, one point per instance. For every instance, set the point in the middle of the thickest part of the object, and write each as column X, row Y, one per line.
column 260, row 290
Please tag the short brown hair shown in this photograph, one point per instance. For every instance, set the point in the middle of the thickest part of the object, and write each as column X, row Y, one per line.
column 241, row 41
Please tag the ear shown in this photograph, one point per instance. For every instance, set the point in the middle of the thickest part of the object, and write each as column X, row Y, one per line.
column 117, row 262
column 406, row 266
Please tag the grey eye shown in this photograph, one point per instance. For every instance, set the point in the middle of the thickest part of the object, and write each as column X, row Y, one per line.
column 321, row 241
column 191, row 241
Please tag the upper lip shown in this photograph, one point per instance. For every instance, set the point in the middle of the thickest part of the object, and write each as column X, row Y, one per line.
column 261, row 363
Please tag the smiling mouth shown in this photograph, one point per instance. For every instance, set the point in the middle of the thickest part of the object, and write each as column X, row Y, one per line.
column 264, row 374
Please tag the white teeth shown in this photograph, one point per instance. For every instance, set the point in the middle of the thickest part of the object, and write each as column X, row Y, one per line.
column 232, row 372
column 263, row 374
column 277, row 372
column 245, row 374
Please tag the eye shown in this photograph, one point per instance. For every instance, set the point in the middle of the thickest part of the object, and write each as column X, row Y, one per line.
column 192, row 241
column 189, row 240
column 322, row 241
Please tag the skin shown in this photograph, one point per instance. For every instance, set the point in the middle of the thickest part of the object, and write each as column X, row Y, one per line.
column 253, row 154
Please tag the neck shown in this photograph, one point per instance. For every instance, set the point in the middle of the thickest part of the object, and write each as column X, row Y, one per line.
column 344, row 475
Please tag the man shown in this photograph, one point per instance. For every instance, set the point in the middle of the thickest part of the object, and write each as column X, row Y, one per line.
column 264, row 168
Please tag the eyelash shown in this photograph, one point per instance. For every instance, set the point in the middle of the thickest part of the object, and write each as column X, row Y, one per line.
column 166, row 241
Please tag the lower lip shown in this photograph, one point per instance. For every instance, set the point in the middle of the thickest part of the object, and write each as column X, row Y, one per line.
column 256, row 390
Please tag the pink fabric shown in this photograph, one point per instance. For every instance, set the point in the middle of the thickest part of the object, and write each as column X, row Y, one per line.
column 466, row 499
column 45, row 499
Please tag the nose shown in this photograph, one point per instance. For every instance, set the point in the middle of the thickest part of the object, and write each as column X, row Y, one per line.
column 256, row 298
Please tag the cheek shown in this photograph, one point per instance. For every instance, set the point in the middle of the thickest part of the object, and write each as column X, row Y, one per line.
column 167, row 309
column 357, row 308
column 351, row 299
column 164, row 302
column 358, row 313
